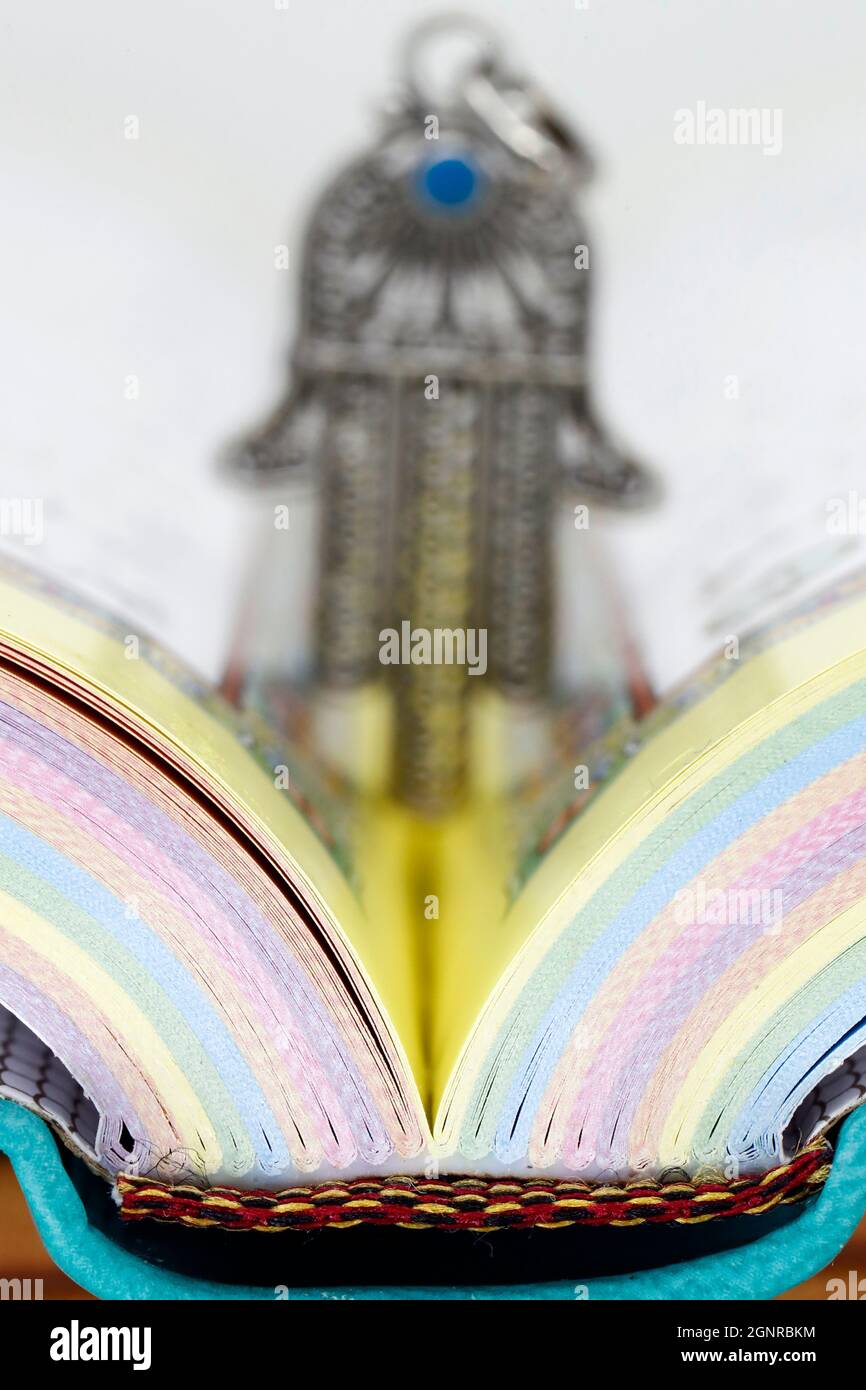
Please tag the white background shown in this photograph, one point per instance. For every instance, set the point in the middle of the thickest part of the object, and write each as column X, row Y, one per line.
column 155, row 258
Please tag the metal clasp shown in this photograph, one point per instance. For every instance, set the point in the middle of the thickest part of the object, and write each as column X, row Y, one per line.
column 513, row 108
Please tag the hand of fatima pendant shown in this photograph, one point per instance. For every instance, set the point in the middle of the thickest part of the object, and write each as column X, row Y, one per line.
column 439, row 396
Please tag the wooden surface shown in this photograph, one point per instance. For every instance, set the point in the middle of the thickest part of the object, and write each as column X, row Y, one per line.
column 23, row 1256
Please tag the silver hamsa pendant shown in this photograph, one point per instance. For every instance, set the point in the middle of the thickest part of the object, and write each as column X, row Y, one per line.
column 439, row 398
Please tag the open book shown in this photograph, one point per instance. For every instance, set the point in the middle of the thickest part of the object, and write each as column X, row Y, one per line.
column 214, row 967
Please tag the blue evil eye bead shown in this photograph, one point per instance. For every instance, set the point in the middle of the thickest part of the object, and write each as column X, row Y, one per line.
column 450, row 185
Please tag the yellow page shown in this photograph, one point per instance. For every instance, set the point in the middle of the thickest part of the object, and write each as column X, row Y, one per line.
column 93, row 653
column 471, row 868
column 486, row 941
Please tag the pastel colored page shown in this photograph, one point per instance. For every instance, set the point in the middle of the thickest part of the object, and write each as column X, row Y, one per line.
column 682, row 979
column 214, row 967
column 179, row 933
